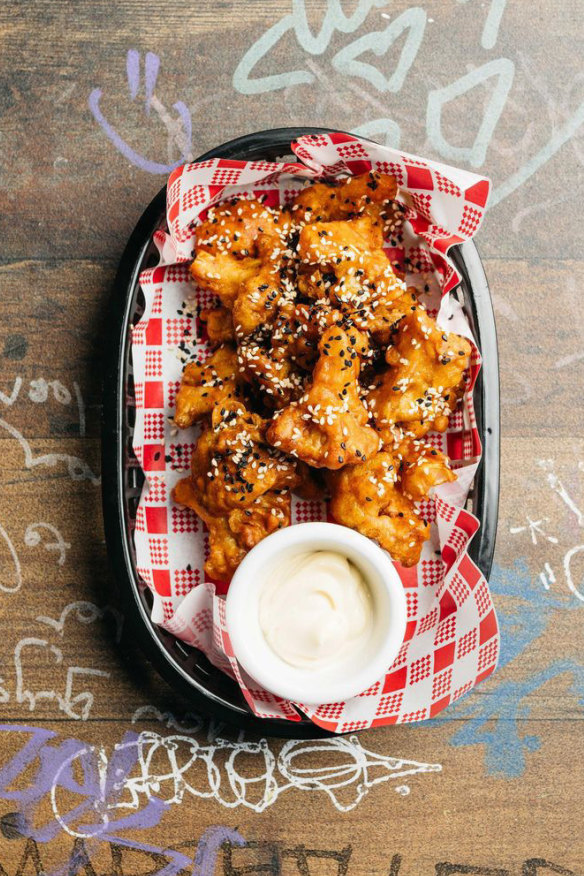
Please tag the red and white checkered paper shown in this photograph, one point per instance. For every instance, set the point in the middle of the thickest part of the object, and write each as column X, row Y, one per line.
column 452, row 637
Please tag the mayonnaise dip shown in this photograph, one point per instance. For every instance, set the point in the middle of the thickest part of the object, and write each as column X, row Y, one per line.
column 315, row 609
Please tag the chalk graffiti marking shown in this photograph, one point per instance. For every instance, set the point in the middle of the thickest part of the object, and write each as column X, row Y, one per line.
column 526, row 606
column 77, row 469
column 94, row 791
column 502, row 72
column 534, row 528
column 221, row 851
column 498, row 71
column 334, row 20
column 568, row 570
column 170, row 768
column 413, row 23
column 179, row 128
column 17, row 583
column 41, row 672
column 548, row 466
column 39, row 392
column 84, row 613
column 492, row 22
column 76, row 706
column 189, row 723
column 33, row 538
column 547, row 577
column 353, row 62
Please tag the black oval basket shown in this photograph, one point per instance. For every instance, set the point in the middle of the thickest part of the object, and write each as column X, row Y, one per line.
column 192, row 677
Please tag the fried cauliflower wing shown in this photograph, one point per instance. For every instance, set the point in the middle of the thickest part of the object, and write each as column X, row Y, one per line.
column 297, row 330
column 421, row 468
column 344, row 263
column 276, row 378
column 219, row 325
column 235, row 226
column 223, row 274
column 256, row 303
column 327, row 427
column 225, row 552
column 233, row 534
column 340, row 260
column 424, row 380
column 366, row 498
column 203, row 386
column 368, row 194
column 316, row 331
column 238, row 486
column 241, row 253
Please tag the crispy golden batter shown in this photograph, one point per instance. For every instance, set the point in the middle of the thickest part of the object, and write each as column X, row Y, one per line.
column 422, row 468
column 236, row 485
column 239, row 249
column 335, row 242
column 275, row 377
column 257, row 301
column 219, row 325
column 424, row 382
column 327, row 427
column 369, row 194
column 236, row 225
column 205, row 385
column 223, row 274
column 327, row 372
column 233, row 534
column 366, row 498
column 379, row 317
column 344, row 263
column 298, row 328
column 377, row 497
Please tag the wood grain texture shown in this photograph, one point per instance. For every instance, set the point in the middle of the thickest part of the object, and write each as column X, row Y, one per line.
column 509, row 791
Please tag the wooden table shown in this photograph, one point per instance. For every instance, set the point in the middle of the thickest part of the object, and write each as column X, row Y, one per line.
column 98, row 101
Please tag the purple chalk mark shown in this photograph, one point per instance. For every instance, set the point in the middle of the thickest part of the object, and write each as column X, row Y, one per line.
column 50, row 759
column 151, row 68
column 133, row 72
column 208, row 848
column 21, row 760
column 122, row 146
column 185, row 116
column 178, row 861
column 99, row 791
column 55, row 769
column 77, row 863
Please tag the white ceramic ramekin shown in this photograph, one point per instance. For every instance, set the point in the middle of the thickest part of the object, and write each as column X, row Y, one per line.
column 347, row 678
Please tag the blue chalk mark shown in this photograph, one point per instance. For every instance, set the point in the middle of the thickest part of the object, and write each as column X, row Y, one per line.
column 491, row 714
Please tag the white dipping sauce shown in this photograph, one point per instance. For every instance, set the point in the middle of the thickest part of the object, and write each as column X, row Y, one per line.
column 315, row 609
